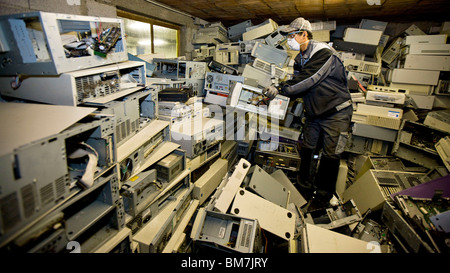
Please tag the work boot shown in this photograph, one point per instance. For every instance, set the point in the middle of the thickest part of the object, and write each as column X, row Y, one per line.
column 304, row 183
column 320, row 200
column 327, row 173
column 305, row 187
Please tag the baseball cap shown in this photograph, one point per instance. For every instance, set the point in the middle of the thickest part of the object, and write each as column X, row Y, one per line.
column 298, row 24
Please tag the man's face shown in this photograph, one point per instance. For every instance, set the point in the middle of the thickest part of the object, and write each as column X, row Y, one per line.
column 301, row 37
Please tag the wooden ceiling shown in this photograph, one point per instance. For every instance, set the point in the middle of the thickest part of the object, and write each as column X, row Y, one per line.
column 231, row 12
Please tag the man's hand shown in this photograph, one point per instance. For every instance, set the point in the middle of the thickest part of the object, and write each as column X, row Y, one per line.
column 270, row 91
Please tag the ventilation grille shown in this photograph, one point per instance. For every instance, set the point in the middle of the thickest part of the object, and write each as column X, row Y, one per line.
column 47, row 195
column 387, row 181
column 390, row 55
column 60, row 185
column 369, row 68
column 386, row 122
column 28, row 200
column 279, row 73
column 10, row 211
column 92, row 87
column 245, row 240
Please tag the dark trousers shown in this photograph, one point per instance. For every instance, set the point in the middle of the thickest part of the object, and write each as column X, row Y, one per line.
column 329, row 134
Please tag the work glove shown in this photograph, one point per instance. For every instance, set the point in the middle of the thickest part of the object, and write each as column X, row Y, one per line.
column 270, row 91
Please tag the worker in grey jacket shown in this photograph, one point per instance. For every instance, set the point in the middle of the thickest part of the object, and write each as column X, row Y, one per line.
column 321, row 80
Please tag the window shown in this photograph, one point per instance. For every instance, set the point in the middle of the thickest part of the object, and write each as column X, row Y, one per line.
column 147, row 36
column 165, row 40
column 138, row 36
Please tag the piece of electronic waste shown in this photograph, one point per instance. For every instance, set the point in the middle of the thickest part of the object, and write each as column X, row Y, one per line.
column 393, row 51
column 157, row 200
column 270, row 54
column 93, row 85
column 181, row 94
column 135, row 153
column 443, row 88
column 227, row 193
column 222, row 68
column 388, row 163
column 315, row 239
column 235, row 31
column 129, row 111
column 249, row 98
column 321, row 35
column 334, row 216
column 273, row 218
column 217, row 86
column 366, row 49
column 155, row 234
column 179, row 69
column 213, row 34
column 404, row 233
column 209, row 181
column 260, row 31
column 386, row 97
column 375, row 132
column 386, row 117
column 427, row 49
column 362, row 36
column 425, row 62
column 375, row 187
column 362, row 66
column 295, row 196
column 416, row 142
column 227, row 53
column 40, row 170
column 426, row 39
column 417, row 89
column 373, row 24
column 443, row 149
column 429, row 216
column 262, row 78
column 413, row 30
column 170, row 166
column 43, row 43
column 266, row 186
column 277, row 154
column 275, row 38
column 438, row 120
column 203, row 53
column 81, row 220
column 246, row 47
column 343, row 55
column 274, row 71
column 198, row 135
column 323, row 25
column 226, row 232
column 137, row 189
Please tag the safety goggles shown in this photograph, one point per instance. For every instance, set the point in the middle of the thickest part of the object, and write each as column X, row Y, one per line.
column 291, row 35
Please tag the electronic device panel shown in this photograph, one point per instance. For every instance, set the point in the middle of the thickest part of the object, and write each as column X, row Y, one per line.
column 277, row 154
column 249, row 98
column 137, row 151
column 270, row 54
column 227, row 232
column 198, row 135
column 217, row 86
column 43, row 43
column 93, row 85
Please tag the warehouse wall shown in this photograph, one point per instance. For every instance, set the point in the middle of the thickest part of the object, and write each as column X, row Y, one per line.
column 108, row 8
